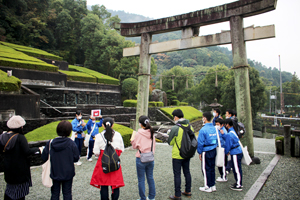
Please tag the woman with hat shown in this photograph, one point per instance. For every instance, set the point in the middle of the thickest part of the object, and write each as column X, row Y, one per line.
column 16, row 151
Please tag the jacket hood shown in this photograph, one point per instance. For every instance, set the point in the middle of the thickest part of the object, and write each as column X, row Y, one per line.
column 145, row 132
column 182, row 121
column 4, row 137
column 60, row 143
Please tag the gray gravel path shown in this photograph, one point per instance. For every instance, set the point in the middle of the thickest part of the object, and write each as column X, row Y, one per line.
column 163, row 177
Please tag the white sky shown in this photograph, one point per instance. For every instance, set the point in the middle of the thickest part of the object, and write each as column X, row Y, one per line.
column 286, row 18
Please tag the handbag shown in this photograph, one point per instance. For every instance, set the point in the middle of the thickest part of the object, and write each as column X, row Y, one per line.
column 88, row 136
column 73, row 135
column 246, row 160
column 220, row 157
column 46, row 179
column 147, row 157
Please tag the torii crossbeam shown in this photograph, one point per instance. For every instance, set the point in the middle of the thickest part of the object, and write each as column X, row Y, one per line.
column 189, row 25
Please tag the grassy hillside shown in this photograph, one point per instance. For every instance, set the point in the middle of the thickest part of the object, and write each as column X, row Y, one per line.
column 189, row 112
column 9, row 84
column 79, row 76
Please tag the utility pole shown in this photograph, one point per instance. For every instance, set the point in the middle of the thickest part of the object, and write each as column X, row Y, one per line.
column 270, row 102
column 281, row 95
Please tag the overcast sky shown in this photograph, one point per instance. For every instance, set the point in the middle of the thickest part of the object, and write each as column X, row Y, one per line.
column 286, row 18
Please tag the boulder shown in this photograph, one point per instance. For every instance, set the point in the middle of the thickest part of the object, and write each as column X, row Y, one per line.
column 159, row 95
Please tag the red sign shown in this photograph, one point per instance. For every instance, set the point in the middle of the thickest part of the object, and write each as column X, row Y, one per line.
column 96, row 113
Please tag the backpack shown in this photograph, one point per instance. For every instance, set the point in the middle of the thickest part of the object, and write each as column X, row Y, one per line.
column 239, row 127
column 188, row 143
column 110, row 159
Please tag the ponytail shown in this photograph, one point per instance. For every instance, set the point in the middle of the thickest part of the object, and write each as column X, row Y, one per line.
column 144, row 120
column 108, row 122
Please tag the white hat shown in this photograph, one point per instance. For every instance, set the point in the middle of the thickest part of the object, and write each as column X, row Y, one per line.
column 15, row 122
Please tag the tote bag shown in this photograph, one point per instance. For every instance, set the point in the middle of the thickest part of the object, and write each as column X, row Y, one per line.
column 88, row 136
column 46, row 179
column 220, row 153
column 246, row 160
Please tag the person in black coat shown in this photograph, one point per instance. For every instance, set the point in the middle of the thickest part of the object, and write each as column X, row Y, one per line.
column 14, row 146
column 63, row 154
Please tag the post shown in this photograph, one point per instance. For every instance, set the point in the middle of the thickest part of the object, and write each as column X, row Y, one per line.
column 187, row 82
column 287, row 140
column 173, row 82
column 144, row 77
column 241, row 75
column 281, row 95
column 270, row 103
column 160, row 82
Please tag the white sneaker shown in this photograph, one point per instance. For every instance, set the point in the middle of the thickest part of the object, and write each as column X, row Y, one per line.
column 205, row 189
column 78, row 163
column 90, row 160
column 219, row 179
column 213, row 188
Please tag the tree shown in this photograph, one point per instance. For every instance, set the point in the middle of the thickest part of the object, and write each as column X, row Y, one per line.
column 129, row 87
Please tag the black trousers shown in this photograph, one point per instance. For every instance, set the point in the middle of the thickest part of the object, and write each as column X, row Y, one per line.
column 104, row 193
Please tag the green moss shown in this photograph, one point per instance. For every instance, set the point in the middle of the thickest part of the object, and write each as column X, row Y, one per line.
column 48, row 132
column 79, row 76
column 130, row 103
column 101, row 78
column 189, row 112
column 9, row 84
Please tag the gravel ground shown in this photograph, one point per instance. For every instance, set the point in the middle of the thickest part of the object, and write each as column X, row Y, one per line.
column 163, row 176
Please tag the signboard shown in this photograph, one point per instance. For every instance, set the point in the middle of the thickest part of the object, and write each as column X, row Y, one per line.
column 273, row 97
column 96, row 113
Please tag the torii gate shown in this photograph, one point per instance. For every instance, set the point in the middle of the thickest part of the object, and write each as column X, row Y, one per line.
column 189, row 25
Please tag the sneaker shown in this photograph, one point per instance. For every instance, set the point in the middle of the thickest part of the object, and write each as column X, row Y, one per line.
column 149, row 199
column 219, row 179
column 205, row 189
column 90, row 160
column 78, row 163
column 213, row 188
column 234, row 184
column 227, row 172
column 236, row 188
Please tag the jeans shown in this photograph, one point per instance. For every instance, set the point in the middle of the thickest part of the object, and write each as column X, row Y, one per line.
column 208, row 167
column 78, row 142
column 104, row 193
column 237, row 168
column 142, row 169
column 222, row 170
column 90, row 149
column 66, row 189
column 185, row 164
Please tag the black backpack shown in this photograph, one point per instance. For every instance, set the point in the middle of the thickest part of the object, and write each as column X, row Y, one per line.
column 239, row 127
column 188, row 143
column 110, row 159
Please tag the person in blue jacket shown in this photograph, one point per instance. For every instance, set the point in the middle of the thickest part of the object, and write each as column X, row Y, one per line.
column 93, row 129
column 223, row 135
column 216, row 115
column 207, row 143
column 78, row 126
column 63, row 154
column 233, row 148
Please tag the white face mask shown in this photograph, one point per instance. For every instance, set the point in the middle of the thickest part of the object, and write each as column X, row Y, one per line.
column 79, row 117
column 218, row 127
column 203, row 120
column 214, row 114
column 93, row 121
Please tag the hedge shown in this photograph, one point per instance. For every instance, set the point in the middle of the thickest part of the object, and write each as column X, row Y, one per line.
column 133, row 103
column 189, row 112
column 176, row 103
column 156, row 104
column 9, row 84
column 101, row 78
column 33, row 51
column 19, row 56
column 27, row 65
column 48, row 132
column 78, row 76
column 183, row 104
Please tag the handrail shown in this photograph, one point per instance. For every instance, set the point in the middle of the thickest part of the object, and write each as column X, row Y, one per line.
column 50, row 106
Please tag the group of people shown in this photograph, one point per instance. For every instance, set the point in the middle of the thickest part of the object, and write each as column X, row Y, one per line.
column 64, row 153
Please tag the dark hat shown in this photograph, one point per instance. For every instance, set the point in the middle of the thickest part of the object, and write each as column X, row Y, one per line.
column 178, row 113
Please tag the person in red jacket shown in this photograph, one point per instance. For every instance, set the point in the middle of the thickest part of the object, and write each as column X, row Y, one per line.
column 99, row 178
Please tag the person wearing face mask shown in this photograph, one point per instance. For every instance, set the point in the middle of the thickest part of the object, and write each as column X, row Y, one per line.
column 93, row 129
column 223, row 135
column 216, row 115
column 78, row 126
column 207, row 143
column 229, row 114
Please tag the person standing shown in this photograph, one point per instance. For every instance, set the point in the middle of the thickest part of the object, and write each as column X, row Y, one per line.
column 223, row 137
column 207, row 143
column 233, row 148
column 175, row 136
column 78, row 126
column 144, row 141
column 63, row 154
column 14, row 146
column 93, row 129
column 216, row 115
column 99, row 178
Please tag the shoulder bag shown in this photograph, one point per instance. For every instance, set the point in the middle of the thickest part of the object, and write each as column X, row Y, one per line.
column 46, row 179
column 147, row 157
column 220, row 157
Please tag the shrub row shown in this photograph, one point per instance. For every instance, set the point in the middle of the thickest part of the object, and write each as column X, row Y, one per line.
column 156, row 104
column 176, row 103
column 183, row 104
column 19, row 56
column 133, row 103
column 101, row 78
column 189, row 112
column 78, row 76
column 9, row 84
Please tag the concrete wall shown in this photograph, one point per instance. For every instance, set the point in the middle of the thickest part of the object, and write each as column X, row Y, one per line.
column 62, row 65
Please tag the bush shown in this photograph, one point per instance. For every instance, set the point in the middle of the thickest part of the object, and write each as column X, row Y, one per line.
column 175, row 102
column 9, row 84
column 129, row 87
column 48, row 132
column 189, row 112
column 130, row 103
column 159, row 104
column 101, row 78
column 183, row 104
column 78, row 76
column 152, row 104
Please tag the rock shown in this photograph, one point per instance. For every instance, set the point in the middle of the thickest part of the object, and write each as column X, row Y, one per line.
column 159, row 95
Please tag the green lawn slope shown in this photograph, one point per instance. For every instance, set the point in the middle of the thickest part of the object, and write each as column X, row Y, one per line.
column 189, row 112
column 48, row 132
column 101, row 78
column 79, row 76
column 9, row 84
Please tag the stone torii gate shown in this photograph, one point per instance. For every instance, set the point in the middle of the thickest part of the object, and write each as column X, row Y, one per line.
column 189, row 25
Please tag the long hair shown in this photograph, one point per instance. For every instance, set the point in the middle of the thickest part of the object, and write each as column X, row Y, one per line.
column 144, row 120
column 108, row 122
column 16, row 130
